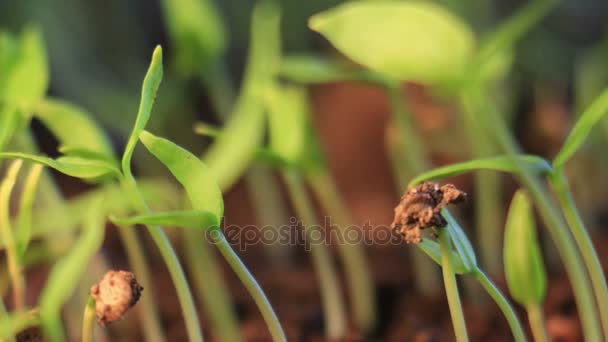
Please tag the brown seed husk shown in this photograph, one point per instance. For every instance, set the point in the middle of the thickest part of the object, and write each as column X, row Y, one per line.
column 420, row 208
column 116, row 293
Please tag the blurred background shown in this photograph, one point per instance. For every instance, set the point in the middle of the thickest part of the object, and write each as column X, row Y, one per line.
column 99, row 50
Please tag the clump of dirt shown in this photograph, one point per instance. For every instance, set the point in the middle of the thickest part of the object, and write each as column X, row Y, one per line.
column 420, row 208
column 116, row 293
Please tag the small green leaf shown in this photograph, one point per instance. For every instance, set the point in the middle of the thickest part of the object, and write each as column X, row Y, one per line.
column 73, row 127
column 66, row 273
column 311, row 69
column 148, row 94
column 433, row 250
column 79, row 167
column 195, row 219
column 503, row 163
column 287, row 116
column 197, row 32
column 463, row 246
column 27, row 78
column 524, row 268
column 592, row 115
column 190, row 172
column 24, row 219
column 407, row 40
column 232, row 152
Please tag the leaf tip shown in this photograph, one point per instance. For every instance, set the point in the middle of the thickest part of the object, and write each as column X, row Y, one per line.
column 157, row 55
column 315, row 22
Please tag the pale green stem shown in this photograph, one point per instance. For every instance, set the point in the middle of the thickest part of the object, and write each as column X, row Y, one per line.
column 583, row 241
column 407, row 160
column 176, row 271
column 209, row 285
column 503, row 304
column 554, row 222
column 451, row 287
column 359, row 280
column 331, row 296
column 88, row 321
column 147, row 309
column 537, row 323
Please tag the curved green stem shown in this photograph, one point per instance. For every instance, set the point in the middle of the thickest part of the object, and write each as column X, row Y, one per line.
column 537, row 323
column 359, row 280
column 209, row 284
column 148, row 310
column 250, row 284
column 503, row 304
column 88, row 321
column 331, row 296
column 451, row 288
column 556, row 226
column 577, row 228
column 170, row 257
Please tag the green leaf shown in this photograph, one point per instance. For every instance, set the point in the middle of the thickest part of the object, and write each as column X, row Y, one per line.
column 66, row 273
column 462, row 244
column 232, row 153
column 287, row 116
column 197, row 32
column 15, row 322
column 148, row 94
column 79, row 167
column 407, row 40
column 433, row 250
column 73, row 127
column 592, row 115
column 524, row 268
column 24, row 219
column 185, row 219
column 503, row 163
column 10, row 118
column 27, row 77
column 190, row 172
column 311, row 69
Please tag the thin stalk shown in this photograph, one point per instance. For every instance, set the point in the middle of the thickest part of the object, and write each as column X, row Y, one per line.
column 176, row 271
column 503, row 304
column 408, row 160
column 583, row 241
column 148, row 311
column 537, row 323
column 15, row 269
column 207, row 276
column 250, row 284
column 356, row 268
column 558, row 229
column 451, row 287
column 220, row 89
column 331, row 296
column 88, row 321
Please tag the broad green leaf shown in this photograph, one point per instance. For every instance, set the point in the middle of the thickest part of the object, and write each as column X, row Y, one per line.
column 79, row 167
column 433, row 250
column 287, row 116
column 231, row 154
column 190, row 172
column 148, row 94
column 196, row 32
column 73, row 127
column 503, row 163
column 524, row 268
column 10, row 118
column 185, row 219
column 27, row 78
column 24, row 219
column 592, row 115
column 66, row 273
column 311, row 69
column 462, row 244
column 407, row 40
